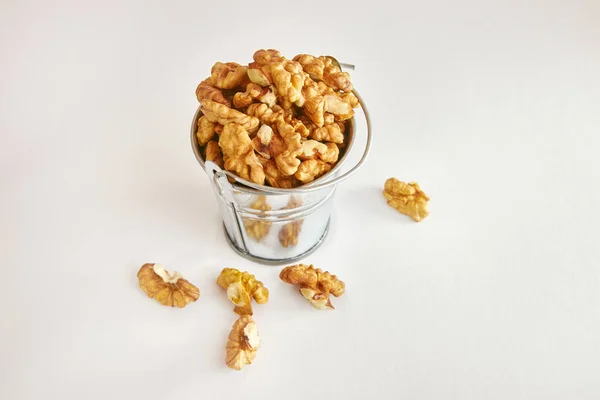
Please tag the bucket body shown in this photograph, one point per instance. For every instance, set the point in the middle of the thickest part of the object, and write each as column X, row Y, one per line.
column 273, row 225
column 275, row 228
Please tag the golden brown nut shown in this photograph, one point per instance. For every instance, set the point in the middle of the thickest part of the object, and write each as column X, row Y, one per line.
column 314, row 104
column 307, row 97
column 312, row 65
column 168, row 289
column 259, row 71
column 350, row 99
column 217, row 112
column 307, row 122
column 286, row 105
column 299, row 127
column 256, row 228
column 334, row 77
column 228, row 75
column 213, row 153
column 315, row 285
column 312, row 150
column 289, row 233
column 328, row 133
column 288, row 77
column 275, row 178
column 206, row 91
column 206, row 130
column 287, row 161
column 325, row 89
column 329, row 118
column 262, row 141
column 310, row 170
column 263, row 56
column 242, row 343
column 260, row 74
column 407, row 198
column 323, row 69
column 254, row 92
column 261, row 111
column 340, row 109
column 239, row 155
column 241, row 288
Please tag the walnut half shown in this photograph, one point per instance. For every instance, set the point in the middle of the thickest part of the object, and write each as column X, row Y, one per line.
column 241, row 288
column 242, row 343
column 170, row 289
column 407, row 198
column 315, row 285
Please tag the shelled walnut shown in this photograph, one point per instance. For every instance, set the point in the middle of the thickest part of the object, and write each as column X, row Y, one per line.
column 315, row 285
column 255, row 228
column 242, row 343
column 289, row 233
column 241, row 288
column 407, row 198
column 304, row 98
column 170, row 289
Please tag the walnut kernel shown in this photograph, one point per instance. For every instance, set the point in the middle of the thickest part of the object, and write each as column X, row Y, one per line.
column 170, row 289
column 407, row 198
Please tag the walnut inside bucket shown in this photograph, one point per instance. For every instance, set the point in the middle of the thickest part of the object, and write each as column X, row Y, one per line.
column 276, row 121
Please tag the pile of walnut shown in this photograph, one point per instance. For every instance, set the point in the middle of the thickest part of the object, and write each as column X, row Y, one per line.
column 170, row 289
column 407, row 198
column 276, row 122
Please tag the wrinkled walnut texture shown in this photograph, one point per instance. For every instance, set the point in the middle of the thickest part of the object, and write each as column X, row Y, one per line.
column 242, row 343
column 315, row 285
column 241, row 288
column 407, row 198
column 169, row 289
column 307, row 97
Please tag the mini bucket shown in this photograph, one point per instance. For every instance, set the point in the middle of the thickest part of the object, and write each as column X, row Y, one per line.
column 273, row 225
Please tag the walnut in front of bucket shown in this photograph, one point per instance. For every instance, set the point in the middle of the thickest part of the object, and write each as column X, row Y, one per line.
column 241, row 288
column 289, row 233
column 315, row 285
column 256, row 228
column 307, row 98
column 407, row 198
column 170, row 289
column 242, row 343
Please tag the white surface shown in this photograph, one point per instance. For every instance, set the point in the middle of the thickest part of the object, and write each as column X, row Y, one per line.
column 492, row 107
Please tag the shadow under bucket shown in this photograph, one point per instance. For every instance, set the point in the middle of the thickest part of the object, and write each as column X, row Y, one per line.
column 278, row 226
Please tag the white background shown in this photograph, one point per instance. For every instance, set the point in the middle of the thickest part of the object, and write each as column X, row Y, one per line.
column 493, row 107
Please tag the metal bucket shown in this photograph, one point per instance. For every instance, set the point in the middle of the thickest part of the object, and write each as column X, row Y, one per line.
column 278, row 226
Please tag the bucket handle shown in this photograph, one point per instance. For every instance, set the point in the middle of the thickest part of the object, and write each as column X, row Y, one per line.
column 312, row 188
